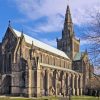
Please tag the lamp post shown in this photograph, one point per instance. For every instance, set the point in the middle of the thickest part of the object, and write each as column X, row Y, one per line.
column 98, row 94
column 69, row 92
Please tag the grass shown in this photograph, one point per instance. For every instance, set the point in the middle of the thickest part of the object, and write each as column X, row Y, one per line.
column 19, row 98
column 51, row 98
column 85, row 98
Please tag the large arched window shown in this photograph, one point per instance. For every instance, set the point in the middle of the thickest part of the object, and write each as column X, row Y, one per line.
column 23, row 64
column 51, row 60
column 5, row 62
column 9, row 63
column 40, row 57
column 64, row 64
column 22, row 82
column 47, row 58
column 26, row 53
column 61, row 63
column 54, row 60
column 43, row 58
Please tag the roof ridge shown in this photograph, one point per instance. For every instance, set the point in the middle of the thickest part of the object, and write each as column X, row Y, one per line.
column 41, row 44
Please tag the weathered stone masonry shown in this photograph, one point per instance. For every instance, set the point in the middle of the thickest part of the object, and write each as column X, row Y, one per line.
column 32, row 68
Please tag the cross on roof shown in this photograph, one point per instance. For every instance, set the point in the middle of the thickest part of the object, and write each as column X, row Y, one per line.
column 9, row 23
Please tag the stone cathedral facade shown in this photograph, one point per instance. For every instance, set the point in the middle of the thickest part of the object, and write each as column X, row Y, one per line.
column 32, row 68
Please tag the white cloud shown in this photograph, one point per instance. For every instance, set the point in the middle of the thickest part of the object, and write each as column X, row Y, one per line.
column 35, row 9
column 54, row 11
column 89, row 41
column 21, row 20
column 97, row 70
column 49, row 42
column 85, row 42
column 49, row 8
column 54, row 24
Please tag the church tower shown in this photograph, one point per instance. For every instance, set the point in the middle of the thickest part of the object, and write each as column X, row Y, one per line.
column 68, row 43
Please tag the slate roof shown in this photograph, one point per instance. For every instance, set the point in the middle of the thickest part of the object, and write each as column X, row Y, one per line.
column 41, row 45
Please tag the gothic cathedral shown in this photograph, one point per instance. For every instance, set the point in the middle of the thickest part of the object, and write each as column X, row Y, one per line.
column 31, row 68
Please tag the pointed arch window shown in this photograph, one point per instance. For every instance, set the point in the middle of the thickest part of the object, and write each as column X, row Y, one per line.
column 22, row 81
column 9, row 63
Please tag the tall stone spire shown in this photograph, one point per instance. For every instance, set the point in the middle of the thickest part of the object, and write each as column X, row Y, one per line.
column 68, row 43
column 68, row 24
column 68, row 18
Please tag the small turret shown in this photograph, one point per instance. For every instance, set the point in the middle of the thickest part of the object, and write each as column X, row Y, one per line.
column 9, row 24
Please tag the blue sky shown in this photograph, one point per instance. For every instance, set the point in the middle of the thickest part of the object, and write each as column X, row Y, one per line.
column 43, row 19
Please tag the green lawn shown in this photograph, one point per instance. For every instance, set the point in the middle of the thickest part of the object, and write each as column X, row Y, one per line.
column 18, row 98
column 85, row 98
column 51, row 98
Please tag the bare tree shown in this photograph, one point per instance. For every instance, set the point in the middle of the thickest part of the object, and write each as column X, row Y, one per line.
column 92, row 35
